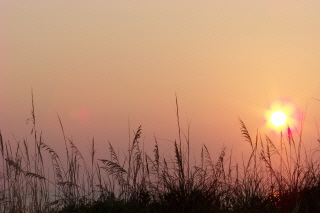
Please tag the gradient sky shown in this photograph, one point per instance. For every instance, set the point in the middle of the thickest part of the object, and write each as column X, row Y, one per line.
column 103, row 64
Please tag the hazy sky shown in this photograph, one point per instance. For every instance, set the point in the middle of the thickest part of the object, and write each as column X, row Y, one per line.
column 102, row 64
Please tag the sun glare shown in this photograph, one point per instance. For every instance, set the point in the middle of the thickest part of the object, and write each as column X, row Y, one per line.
column 278, row 118
column 280, row 115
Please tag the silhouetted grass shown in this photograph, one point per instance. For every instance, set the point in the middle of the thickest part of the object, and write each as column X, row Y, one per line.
column 275, row 178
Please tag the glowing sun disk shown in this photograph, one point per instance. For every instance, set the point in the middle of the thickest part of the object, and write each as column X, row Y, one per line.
column 278, row 118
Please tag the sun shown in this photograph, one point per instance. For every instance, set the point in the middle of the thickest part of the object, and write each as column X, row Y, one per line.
column 278, row 118
column 282, row 114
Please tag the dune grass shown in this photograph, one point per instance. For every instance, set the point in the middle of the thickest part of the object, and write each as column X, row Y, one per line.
column 275, row 178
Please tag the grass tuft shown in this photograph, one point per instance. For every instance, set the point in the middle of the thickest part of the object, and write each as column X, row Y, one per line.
column 276, row 177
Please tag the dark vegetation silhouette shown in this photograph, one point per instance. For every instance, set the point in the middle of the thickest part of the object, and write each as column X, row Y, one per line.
column 276, row 177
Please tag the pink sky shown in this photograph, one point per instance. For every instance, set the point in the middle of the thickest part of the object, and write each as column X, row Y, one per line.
column 99, row 64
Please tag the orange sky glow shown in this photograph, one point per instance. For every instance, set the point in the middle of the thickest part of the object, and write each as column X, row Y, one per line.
column 106, row 67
